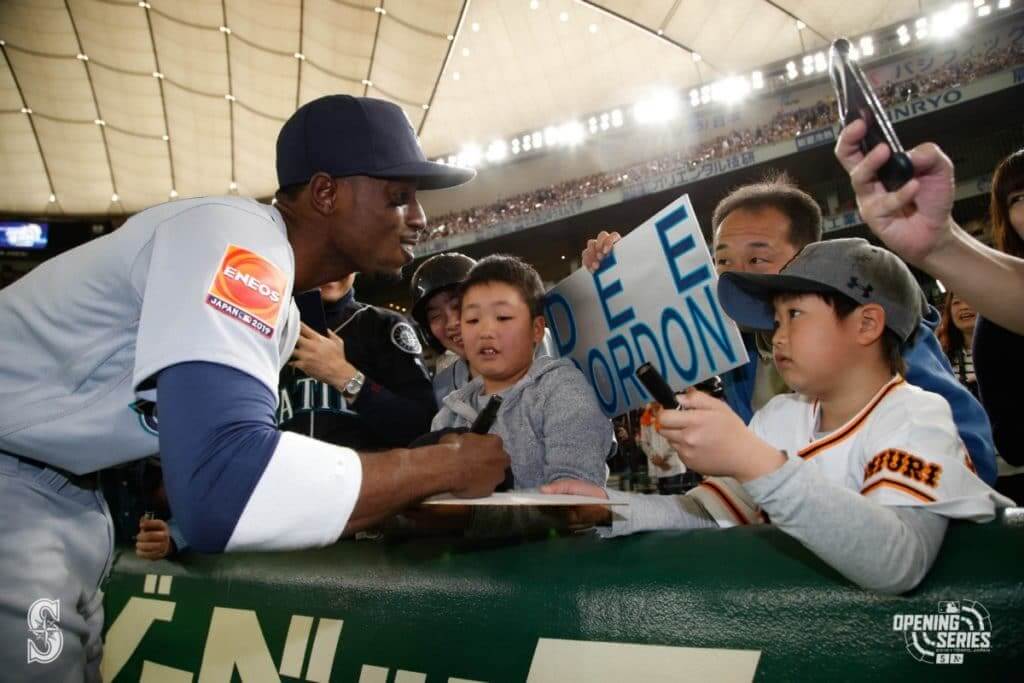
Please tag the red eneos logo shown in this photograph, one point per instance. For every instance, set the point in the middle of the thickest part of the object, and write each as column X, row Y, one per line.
column 249, row 288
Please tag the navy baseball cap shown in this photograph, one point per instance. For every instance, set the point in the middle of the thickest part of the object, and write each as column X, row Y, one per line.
column 346, row 136
column 852, row 267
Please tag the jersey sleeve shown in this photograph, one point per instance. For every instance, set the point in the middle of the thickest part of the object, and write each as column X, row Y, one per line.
column 912, row 456
column 217, row 290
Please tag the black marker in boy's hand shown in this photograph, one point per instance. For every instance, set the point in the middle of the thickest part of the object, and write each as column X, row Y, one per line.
column 657, row 386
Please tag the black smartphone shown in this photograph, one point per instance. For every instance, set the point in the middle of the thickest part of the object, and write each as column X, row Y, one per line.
column 857, row 100
column 311, row 310
column 656, row 386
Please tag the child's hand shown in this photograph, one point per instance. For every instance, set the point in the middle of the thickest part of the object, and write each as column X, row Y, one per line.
column 154, row 539
column 711, row 439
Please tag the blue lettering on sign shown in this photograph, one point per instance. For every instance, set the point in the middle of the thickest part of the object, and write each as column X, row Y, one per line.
column 641, row 330
column 687, row 373
column 565, row 347
column 604, row 293
column 627, row 369
column 718, row 333
column 674, row 250
column 607, row 404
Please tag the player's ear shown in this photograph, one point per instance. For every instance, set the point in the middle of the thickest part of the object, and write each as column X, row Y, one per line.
column 324, row 192
column 870, row 323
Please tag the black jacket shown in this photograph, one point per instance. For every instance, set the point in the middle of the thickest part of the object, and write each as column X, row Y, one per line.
column 396, row 402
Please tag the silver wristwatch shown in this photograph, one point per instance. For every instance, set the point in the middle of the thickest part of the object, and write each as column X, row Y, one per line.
column 352, row 388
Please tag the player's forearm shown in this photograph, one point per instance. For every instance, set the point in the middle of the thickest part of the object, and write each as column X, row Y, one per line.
column 990, row 281
column 394, row 479
column 883, row 549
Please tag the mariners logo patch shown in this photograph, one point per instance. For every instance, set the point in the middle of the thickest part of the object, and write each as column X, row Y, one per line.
column 248, row 288
column 404, row 337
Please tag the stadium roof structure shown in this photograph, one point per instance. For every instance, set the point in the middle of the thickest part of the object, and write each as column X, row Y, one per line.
column 109, row 106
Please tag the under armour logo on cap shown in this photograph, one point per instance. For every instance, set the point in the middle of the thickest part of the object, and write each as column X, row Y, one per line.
column 854, row 283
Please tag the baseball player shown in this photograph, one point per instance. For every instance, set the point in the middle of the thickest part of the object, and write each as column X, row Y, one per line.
column 187, row 308
column 861, row 467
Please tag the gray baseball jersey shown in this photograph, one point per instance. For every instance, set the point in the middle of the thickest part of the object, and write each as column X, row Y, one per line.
column 84, row 334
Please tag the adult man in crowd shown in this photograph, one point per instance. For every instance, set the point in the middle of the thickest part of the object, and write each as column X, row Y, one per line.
column 192, row 299
column 363, row 385
column 758, row 228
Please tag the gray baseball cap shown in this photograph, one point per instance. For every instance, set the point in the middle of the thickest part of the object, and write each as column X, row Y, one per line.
column 851, row 267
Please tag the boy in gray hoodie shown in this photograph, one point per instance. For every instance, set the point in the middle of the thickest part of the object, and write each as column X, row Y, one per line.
column 549, row 420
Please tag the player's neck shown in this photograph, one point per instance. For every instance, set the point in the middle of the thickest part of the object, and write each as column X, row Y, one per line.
column 314, row 264
column 851, row 391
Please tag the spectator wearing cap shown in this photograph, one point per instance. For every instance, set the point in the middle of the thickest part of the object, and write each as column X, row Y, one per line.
column 759, row 228
column 860, row 466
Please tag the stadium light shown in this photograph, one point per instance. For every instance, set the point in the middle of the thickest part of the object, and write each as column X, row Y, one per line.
column 537, row 139
column 705, row 94
column 730, row 90
column 470, row 156
column 808, row 65
column 867, row 46
column 1003, row 4
column 551, row 136
column 605, row 121
column 695, row 98
column 497, row 151
column 757, row 80
column 791, row 70
column 921, row 28
column 661, row 106
column 616, row 117
column 984, row 11
column 572, row 133
column 944, row 24
column 515, row 145
column 820, row 63
column 592, row 124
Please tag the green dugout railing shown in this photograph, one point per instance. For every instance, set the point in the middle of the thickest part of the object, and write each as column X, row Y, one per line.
column 711, row 605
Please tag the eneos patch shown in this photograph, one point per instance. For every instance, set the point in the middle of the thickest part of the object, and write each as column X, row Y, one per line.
column 248, row 288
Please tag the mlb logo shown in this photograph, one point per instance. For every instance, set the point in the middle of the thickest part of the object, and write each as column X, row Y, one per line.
column 949, row 607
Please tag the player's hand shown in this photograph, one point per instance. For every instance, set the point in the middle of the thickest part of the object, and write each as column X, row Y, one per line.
column 322, row 358
column 480, row 461
column 598, row 248
column 914, row 221
column 154, row 539
column 712, row 440
column 581, row 515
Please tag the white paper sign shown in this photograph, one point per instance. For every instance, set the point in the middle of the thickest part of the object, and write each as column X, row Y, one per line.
column 655, row 299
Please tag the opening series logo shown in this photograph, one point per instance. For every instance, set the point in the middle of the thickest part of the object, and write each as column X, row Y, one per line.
column 248, row 288
column 957, row 628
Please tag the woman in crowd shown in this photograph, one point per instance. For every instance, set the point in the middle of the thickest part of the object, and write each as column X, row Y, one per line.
column 955, row 333
column 996, row 348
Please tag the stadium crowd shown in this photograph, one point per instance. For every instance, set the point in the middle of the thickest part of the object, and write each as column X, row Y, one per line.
column 785, row 125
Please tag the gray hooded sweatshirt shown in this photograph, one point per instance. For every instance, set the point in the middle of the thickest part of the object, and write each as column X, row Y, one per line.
column 549, row 420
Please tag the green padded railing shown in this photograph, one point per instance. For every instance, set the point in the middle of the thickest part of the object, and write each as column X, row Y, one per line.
column 726, row 605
